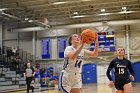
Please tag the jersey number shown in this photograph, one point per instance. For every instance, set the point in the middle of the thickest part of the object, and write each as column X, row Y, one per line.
column 78, row 63
column 121, row 70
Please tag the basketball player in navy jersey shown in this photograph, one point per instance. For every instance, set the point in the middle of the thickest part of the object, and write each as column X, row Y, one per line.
column 70, row 78
column 122, row 68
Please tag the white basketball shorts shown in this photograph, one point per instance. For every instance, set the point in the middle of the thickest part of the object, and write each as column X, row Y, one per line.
column 67, row 81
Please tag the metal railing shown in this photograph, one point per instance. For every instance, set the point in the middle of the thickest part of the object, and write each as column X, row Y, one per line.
column 15, row 62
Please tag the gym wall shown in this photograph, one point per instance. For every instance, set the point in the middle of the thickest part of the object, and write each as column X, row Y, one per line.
column 25, row 39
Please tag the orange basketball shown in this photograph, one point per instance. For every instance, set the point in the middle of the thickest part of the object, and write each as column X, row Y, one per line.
column 89, row 36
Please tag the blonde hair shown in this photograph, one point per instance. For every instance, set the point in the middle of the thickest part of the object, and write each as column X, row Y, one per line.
column 122, row 48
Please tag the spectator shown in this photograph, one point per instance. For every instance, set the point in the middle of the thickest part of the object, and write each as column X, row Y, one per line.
column 54, row 80
column 18, row 62
column 28, row 75
column 9, row 54
column 15, row 51
column 37, row 75
column 37, row 65
column 45, row 76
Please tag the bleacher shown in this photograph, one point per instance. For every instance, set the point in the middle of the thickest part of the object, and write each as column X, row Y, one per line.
column 11, row 73
column 8, row 79
column 11, row 77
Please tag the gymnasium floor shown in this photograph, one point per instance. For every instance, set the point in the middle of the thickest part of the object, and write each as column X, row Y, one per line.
column 91, row 88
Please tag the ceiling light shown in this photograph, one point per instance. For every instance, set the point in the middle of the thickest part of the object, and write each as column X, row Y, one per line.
column 105, row 14
column 30, row 20
column 86, row 0
column 102, row 10
column 59, row 3
column 78, row 16
column 75, row 13
column 123, row 8
column 126, row 12
column 26, row 19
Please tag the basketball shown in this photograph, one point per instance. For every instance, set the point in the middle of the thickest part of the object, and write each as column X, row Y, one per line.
column 89, row 36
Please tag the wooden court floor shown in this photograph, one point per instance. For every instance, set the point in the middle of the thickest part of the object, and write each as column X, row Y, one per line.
column 90, row 88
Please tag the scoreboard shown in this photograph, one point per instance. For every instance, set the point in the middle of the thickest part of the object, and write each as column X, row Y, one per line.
column 106, row 42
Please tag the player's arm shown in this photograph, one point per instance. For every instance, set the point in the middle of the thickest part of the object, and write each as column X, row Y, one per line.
column 73, row 54
column 131, row 71
column 110, row 67
column 93, row 53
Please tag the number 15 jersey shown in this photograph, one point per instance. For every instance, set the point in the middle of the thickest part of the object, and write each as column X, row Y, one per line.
column 73, row 65
column 121, row 67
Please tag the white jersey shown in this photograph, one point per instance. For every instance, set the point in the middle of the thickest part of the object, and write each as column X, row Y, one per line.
column 76, row 65
column 71, row 75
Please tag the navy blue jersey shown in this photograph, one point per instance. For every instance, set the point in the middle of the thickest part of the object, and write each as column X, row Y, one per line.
column 121, row 69
column 54, row 78
column 37, row 74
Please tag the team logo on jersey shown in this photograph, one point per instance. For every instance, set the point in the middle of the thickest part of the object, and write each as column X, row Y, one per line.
column 118, row 65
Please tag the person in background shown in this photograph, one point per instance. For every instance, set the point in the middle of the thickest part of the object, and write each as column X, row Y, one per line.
column 122, row 67
column 54, row 80
column 37, row 75
column 37, row 78
column 46, row 76
column 9, row 54
column 28, row 75
column 14, row 50
column 37, row 65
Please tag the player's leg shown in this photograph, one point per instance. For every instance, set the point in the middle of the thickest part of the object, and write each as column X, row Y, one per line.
column 75, row 90
column 64, row 84
column 31, row 86
column 119, row 86
column 128, row 88
column 28, row 84
column 77, row 84
column 119, row 91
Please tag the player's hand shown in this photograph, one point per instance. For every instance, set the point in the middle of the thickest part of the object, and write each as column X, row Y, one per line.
column 82, row 40
column 111, row 84
column 131, row 78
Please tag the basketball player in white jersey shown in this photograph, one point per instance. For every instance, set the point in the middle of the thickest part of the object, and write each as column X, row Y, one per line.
column 70, row 78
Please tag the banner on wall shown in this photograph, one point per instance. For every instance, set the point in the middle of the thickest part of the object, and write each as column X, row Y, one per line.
column 61, row 45
column 46, row 48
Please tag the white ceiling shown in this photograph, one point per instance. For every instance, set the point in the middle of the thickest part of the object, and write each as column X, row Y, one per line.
column 86, row 11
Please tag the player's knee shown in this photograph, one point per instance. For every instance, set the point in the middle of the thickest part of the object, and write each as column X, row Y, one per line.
column 128, row 88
